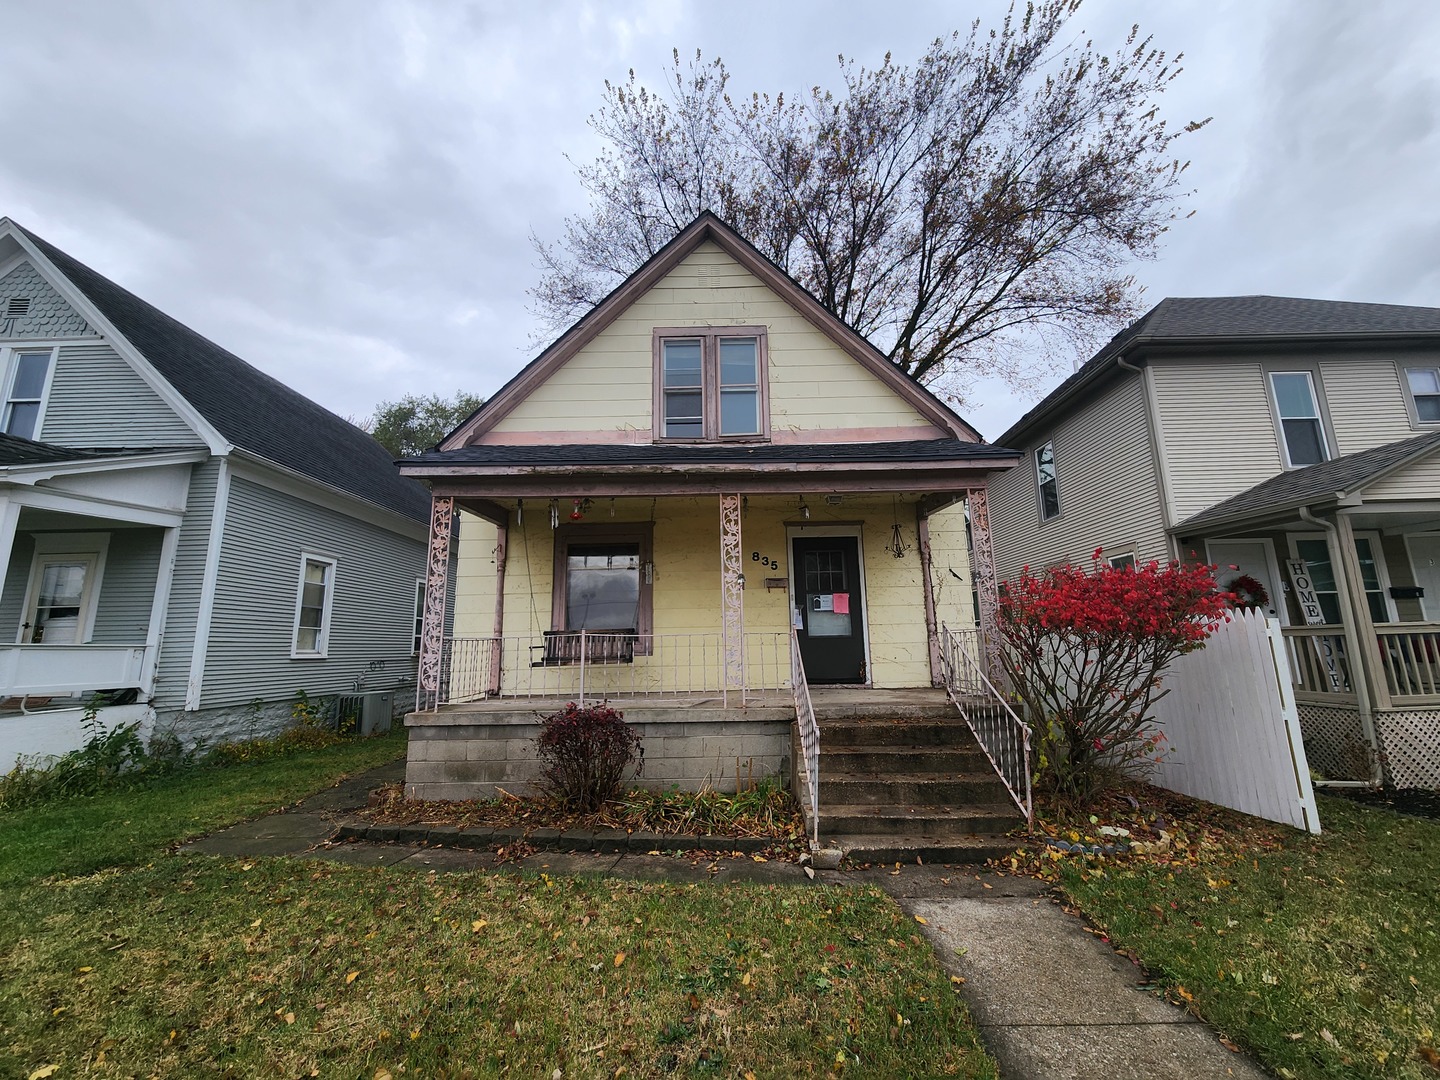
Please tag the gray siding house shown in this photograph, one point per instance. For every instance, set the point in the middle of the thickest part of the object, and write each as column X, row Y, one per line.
column 179, row 532
column 1293, row 442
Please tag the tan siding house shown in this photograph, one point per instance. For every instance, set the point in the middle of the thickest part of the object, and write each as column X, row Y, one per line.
column 1293, row 441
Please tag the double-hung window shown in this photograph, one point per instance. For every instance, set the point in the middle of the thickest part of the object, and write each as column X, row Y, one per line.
column 1425, row 392
column 1047, row 488
column 313, row 606
column 1299, row 415
column 710, row 383
column 27, row 375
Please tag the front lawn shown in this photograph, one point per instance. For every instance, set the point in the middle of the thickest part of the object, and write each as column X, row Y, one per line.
column 1320, row 954
column 118, row 958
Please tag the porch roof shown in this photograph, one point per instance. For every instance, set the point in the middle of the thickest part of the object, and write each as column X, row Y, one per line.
column 17, row 451
column 1331, row 481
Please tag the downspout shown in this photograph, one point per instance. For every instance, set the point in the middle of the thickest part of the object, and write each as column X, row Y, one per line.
column 1157, row 452
column 1352, row 642
column 932, row 638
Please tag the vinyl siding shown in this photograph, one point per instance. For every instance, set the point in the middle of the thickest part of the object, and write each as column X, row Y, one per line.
column 178, row 642
column 607, row 386
column 1109, row 493
column 1366, row 399
column 17, row 580
column 1219, row 433
column 127, row 591
column 252, row 628
column 1419, row 480
column 97, row 399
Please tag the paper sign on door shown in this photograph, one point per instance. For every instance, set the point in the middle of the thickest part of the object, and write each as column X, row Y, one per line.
column 842, row 603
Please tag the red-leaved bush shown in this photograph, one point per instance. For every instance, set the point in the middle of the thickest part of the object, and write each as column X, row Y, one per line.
column 584, row 752
column 1086, row 652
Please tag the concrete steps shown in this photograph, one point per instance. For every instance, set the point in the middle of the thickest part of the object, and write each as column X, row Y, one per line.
column 909, row 784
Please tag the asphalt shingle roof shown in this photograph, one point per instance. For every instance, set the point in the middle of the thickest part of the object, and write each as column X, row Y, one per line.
column 1299, row 487
column 18, row 451
column 1258, row 318
column 249, row 408
column 938, row 451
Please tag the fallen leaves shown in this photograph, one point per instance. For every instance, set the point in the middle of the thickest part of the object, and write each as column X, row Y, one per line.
column 351, row 977
column 619, row 959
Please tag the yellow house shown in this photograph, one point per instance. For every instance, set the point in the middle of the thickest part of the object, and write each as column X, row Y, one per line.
column 709, row 497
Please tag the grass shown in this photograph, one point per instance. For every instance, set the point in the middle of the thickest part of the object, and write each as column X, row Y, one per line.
column 1319, row 954
column 118, row 958
column 125, row 827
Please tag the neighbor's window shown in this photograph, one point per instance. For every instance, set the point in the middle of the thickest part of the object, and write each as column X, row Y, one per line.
column 1120, row 562
column 1425, row 390
column 419, row 613
column 313, row 606
column 710, row 384
column 1046, row 487
column 1304, row 437
column 29, row 370
column 603, row 578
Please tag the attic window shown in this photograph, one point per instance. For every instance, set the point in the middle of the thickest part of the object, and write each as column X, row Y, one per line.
column 710, row 383
column 17, row 307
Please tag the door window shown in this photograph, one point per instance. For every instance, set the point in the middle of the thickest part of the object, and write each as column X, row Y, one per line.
column 827, row 594
column 57, row 615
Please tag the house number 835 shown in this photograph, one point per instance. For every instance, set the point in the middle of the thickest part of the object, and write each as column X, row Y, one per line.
column 764, row 560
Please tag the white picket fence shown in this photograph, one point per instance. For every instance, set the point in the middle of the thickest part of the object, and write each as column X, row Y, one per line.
column 1232, row 727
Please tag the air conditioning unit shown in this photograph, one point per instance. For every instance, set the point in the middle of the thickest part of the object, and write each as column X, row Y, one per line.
column 371, row 712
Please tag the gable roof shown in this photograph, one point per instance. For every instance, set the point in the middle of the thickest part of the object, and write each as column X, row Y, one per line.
column 252, row 410
column 707, row 226
column 1240, row 319
column 1329, row 480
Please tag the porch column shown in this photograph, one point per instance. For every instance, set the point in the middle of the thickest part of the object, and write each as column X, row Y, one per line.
column 932, row 629
column 982, row 570
column 1354, row 582
column 432, row 628
column 732, row 595
column 9, row 518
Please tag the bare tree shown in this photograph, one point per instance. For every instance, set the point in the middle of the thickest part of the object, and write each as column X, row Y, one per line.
column 947, row 211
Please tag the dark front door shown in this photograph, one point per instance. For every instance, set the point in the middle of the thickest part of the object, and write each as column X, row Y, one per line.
column 831, row 624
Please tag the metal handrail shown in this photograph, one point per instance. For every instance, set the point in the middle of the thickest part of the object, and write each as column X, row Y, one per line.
column 1003, row 736
column 809, row 736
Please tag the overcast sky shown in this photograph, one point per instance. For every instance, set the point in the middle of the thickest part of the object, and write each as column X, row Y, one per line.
column 342, row 192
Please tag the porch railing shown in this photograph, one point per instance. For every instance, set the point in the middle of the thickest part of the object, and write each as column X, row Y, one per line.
column 70, row 669
column 1410, row 654
column 1002, row 735
column 1319, row 662
column 608, row 664
column 809, row 737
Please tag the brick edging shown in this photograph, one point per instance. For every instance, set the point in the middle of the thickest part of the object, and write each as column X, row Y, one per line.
column 605, row 841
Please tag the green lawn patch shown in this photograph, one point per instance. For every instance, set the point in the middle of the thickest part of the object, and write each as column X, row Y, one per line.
column 77, row 836
column 1320, row 954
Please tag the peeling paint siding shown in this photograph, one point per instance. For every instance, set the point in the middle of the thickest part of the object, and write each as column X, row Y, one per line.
column 950, row 569
column 687, row 574
column 1420, row 480
column 1367, row 403
column 173, row 672
column 1109, row 493
column 813, row 384
column 1219, row 433
column 49, row 316
column 98, row 399
column 252, row 629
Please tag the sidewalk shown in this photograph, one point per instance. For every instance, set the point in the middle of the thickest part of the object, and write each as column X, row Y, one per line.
column 1051, row 1000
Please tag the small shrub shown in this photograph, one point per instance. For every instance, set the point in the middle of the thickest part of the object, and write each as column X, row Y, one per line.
column 584, row 752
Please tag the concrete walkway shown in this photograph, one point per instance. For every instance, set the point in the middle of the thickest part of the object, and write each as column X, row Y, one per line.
column 1052, row 1001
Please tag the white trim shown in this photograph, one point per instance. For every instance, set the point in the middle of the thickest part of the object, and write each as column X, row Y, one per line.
column 1278, row 585
column 159, row 608
column 68, row 502
column 9, row 519
column 207, row 588
column 33, row 474
column 1311, row 380
column 794, row 532
column 322, row 641
column 11, row 263
column 8, row 353
column 420, row 584
column 217, row 443
column 1377, row 549
column 258, row 470
column 93, row 548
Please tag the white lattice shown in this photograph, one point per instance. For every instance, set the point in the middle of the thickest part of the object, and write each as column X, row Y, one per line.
column 1335, row 742
column 1410, row 742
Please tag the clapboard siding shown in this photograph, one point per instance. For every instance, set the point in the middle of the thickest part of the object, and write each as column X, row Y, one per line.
column 252, row 628
column 1219, row 433
column 17, row 580
column 178, row 641
column 97, row 399
column 127, row 591
column 607, row 386
column 1420, row 480
column 1366, row 402
column 1109, row 494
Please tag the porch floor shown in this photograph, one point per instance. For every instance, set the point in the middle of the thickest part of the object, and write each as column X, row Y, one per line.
column 821, row 697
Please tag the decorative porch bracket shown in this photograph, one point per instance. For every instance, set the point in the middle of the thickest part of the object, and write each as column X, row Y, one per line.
column 732, row 595
column 982, row 569
column 432, row 627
